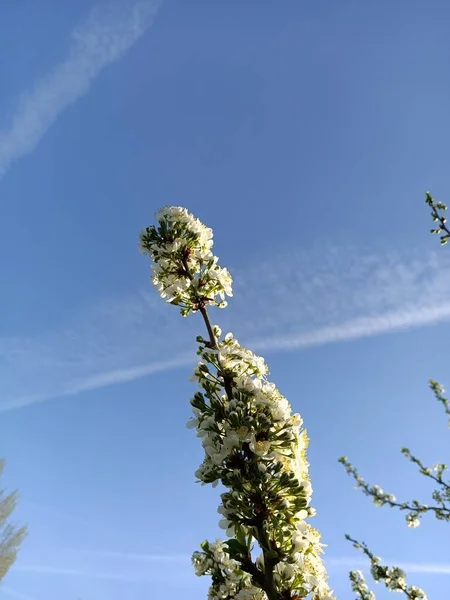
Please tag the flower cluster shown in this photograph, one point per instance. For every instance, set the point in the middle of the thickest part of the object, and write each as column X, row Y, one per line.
column 360, row 587
column 185, row 271
column 254, row 445
column 392, row 577
column 256, row 448
column 229, row 581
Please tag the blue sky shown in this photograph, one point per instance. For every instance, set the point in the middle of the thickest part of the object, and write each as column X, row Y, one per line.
column 305, row 134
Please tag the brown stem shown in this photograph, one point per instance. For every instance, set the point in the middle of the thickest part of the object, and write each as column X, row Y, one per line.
column 212, row 337
column 227, row 381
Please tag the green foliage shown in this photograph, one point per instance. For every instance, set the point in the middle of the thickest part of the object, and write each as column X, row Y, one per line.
column 11, row 537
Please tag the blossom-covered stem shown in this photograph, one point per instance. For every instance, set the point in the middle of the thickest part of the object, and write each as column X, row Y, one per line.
column 212, row 336
column 267, row 582
column 227, row 382
column 360, row 587
column 254, row 445
column 202, row 308
column 427, row 471
column 439, row 391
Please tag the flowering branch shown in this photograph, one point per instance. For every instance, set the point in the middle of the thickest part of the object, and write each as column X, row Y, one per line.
column 438, row 215
column 254, row 446
column 416, row 509
column 392, row 577
column 439, row 392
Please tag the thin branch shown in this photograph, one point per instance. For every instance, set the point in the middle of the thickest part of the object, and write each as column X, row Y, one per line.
column 415, row 508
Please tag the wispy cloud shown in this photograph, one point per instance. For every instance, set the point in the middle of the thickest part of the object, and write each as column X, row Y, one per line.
column 289, row 302
column 349, row 563
column 106, row 35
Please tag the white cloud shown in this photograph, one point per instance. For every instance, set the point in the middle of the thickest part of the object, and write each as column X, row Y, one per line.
column 106, row 35
column 290, row 302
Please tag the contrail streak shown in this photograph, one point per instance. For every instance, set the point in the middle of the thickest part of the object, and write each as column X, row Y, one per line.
column 107, row 34
column 357, row 328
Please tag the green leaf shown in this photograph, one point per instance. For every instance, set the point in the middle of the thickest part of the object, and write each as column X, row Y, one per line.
column 235, row 549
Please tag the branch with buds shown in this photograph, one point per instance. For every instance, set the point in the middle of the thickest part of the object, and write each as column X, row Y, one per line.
column 438, row 210
column 392, row 577
column 439, row 392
